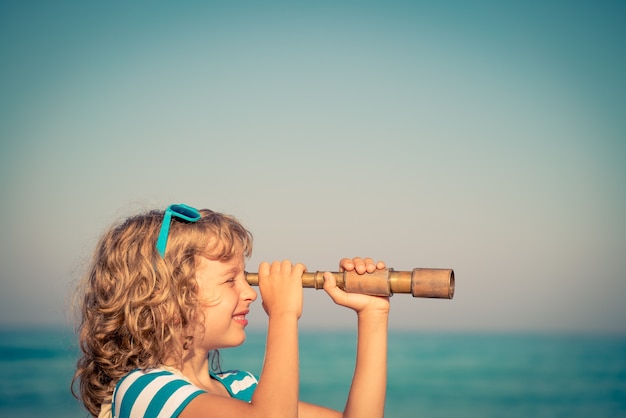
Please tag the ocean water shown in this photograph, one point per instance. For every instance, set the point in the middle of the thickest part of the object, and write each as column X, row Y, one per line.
column 430, row 374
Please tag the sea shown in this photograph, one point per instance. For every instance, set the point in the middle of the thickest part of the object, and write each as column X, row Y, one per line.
column 430, row 374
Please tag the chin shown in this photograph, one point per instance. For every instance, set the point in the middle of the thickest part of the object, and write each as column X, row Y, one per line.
column 236, row 341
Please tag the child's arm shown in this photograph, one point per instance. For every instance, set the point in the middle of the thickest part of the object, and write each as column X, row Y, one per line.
column 367, row 393
column 281, row 289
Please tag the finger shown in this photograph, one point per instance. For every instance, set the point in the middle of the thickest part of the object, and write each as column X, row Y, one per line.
column 359, row 265
column 330, row 287
column 264, row 269
column 275, row 268
column 286, row 267
column 329, row 280
column 300, row 269
column 346, row 264
column 381, row 265
column 370, row 267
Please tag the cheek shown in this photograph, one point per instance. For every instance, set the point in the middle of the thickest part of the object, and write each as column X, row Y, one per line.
column 209, row 299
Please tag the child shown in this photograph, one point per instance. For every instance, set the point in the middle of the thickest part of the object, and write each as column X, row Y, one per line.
column 166, row 290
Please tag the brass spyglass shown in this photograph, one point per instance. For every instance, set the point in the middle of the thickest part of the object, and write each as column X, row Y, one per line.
column 419, row 282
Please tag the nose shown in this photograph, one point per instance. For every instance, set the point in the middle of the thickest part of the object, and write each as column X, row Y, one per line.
column 247, row 292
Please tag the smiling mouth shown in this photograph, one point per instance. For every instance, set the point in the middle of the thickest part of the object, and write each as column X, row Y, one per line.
column 241, row 318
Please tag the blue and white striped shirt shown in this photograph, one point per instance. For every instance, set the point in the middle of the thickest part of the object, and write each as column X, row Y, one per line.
column 163, row 393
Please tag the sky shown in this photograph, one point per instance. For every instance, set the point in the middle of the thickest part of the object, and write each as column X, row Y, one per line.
column 484, row 136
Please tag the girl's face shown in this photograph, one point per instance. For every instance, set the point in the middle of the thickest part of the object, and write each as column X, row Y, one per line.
column 224, row 300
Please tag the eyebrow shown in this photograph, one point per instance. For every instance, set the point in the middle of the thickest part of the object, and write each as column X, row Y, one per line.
column 232, row 270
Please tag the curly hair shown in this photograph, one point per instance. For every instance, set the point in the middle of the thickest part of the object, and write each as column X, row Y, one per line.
column 135, row 308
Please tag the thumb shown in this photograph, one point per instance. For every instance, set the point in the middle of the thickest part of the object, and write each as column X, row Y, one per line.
column 330, row 286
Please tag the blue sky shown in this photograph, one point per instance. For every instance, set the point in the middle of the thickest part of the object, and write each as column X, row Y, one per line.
column 480, row 136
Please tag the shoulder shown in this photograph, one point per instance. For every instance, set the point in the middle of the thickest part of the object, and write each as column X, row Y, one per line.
column 149, row 393
column 240, row 384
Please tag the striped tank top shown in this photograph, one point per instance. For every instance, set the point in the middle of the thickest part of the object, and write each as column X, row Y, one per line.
column 164, row 393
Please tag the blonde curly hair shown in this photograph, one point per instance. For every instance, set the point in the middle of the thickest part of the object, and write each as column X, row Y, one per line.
column 135, row 308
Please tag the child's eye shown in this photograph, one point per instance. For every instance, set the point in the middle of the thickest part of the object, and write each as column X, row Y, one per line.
column 230, row 281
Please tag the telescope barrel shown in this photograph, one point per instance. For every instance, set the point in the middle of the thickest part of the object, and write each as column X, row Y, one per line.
column 420, row 282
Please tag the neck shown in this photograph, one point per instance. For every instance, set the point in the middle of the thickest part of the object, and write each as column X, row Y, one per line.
column 195, row 367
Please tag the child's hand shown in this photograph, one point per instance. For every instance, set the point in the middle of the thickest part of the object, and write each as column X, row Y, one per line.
column 355, row 301
column 281, row 287
column 361, row 265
